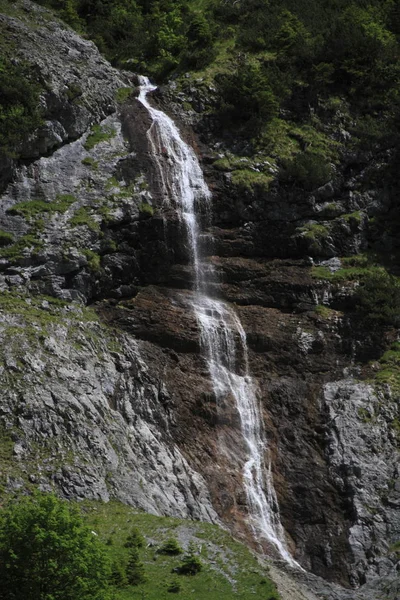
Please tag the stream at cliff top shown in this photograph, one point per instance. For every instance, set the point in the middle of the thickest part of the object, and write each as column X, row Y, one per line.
column 222, row 335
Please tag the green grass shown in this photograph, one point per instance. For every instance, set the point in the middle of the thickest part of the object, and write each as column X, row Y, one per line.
column 389, row 372
column 88, row 161
column 94, row 260
column 98, row 134
column 16, row 251
column 324, row 311
column 83, row 217
column 29, row 209
column 122, row 94
column 357, row 267
column 251, row 181
column 229, row 569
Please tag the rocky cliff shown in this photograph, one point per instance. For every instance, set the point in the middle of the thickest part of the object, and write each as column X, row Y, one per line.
column 105, row 392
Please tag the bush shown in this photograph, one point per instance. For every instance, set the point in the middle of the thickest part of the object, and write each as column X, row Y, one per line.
column 134, row 539
column 135, row 569
column 306, row 170
column 19, row 106
column 378, row 299
column 6, row 238
column 47, row 553
column 171, row 547
column 191, row 564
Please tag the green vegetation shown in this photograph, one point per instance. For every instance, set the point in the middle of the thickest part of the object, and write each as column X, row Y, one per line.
column 251, row 181
column 16, row 251
column 146, row 210
column 378, row 299
column 228, row 569
column 324, row 311
column 88, row 161
column 389, row 371
column 83, row 216
column 47, row 553
column 19, row 105
column 98, row 134
column 123, row 94
column 51, row 549
column 171, row 547
column 30, row 209
column 94, row 260
column 6, row 238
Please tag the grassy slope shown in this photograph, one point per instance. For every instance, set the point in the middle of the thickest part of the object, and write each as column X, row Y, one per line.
column 229, row 571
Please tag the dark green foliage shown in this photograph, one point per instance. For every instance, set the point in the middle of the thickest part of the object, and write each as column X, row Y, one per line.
column 135, row 571
column 191, row 563
column 247, row 94
column 5, row 238
column 134, row 539
column 170, row 547
column 306, row 170
column 19, row 106
column 118, row 577
column 174, row 587
column 46, row 553
column 378, row 299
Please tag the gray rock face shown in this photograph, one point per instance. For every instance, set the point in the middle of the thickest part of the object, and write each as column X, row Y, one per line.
column 80, row 84
column 86, row 416
column 364, row 457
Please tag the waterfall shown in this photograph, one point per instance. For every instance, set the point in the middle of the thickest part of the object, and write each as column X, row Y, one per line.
column 222, row 335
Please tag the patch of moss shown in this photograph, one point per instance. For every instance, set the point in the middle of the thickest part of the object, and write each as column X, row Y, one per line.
column 94, row 260
column 251, row 181
column 17, row 250
column 99, row 134
column 364, row 415
column 324, row 311
column 314, row 231
column 146, row 210
column 83, row 217
column 88, row 161
column 355, row 217
column 122, row 94
column 29, row 209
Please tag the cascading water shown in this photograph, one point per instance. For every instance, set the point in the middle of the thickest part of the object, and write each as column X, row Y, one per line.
column 222, row 335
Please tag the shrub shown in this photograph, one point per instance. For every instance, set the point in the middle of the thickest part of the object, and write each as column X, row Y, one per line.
column 118, row 577
column 135, row 569
column 6, row 238
column 134, row 539
column 47, row 552
column 19, row 106
column 306, row 170
column 171, row 547
column 174, row 587
column 378, row 299
column 191, row 564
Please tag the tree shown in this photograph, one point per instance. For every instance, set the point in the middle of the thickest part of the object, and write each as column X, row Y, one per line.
column 47, row 553
column 135, row 568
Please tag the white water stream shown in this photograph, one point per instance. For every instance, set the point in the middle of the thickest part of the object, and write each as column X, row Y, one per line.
column 222, row 335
